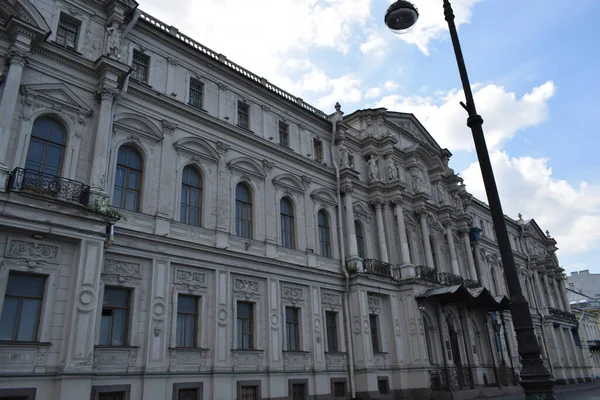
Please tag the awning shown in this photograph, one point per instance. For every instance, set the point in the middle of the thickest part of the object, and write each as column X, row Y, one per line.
column 471, row 298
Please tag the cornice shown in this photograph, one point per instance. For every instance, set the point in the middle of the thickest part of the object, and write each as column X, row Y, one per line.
column 70, row 59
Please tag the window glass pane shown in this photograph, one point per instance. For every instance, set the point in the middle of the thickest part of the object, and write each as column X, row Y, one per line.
column 187, row 304
column 194, row 217
column 119, row 328
column 30, row 312
column 36, row 151
column 54, row 155
column 120, row 177
column 291, row 314
column 190, row 330
column 8, row 321
column 131, row 200
column 180, row 341
column 244, row 310
column 114, row 297
column 40, row 128
column 184, row 214
column 56, row 133
column 105, row 328
column 134, row 180
column 118, row 200
column 188, row 394
column 25, row 285
column 195, row 197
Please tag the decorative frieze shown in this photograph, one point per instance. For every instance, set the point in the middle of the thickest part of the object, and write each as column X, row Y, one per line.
column 296, row 361
column 120, row 271
column 374, row 304
column 246, row 289
column 336, row 361
column 32, row 251
column 190, row 280
column 331, row 301
column 244, row 360
column 292, row 294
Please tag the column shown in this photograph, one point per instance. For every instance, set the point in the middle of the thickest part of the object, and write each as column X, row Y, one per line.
column 156, row 352
column 426, row 242
column 347, row 190
column 483, row 273
column 453, row 258
column 98, row 179
column 383, row 254
column 549, row 297
column 468, row 250
column 399, row 213
column 563, row 295
column 16, row 58
column 540, row 291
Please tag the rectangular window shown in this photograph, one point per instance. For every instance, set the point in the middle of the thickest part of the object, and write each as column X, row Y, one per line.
column 374, row 323
column 187, row 391
column 196, row 91
column 299, row 391
column 248, row 392
column 339, row 389
column 243, row 115
column 188, row 394
column 140, row 67
column 111, row 396
column 318, row 150
column 284, row 134
column 383, row 385
column 115, row 317
column 187, row 320
column 292, row 328
column 111, row 392
column 245, row 325
column 22, row 307
column 67, row 31
column 332, row 331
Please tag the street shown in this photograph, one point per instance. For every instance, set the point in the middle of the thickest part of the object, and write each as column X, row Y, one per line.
column 584, row 391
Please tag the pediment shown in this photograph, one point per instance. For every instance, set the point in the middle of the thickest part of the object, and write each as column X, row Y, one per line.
column 324, row 196
column 413, row 130
column 136, row 125
column 56, row 96
column 247, row 166
column 196, row 147
column 25, row 11
column 289, row 182
column 360, row 210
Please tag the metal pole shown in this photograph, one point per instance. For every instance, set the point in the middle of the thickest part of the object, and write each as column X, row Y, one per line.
column 537, row 382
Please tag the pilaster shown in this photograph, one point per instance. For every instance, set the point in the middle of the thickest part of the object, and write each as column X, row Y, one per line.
column 224, row 317
column 378, row 204
column 224, row 193
column 422, row 214
column 156, row 356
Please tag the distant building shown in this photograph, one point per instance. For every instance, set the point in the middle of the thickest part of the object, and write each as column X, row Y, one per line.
column 585, row 282
column 267, row 250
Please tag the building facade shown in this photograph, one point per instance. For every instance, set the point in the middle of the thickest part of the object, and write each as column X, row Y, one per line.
column 176, row 227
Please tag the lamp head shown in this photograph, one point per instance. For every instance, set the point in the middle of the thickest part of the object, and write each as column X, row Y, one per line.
column 401, row 16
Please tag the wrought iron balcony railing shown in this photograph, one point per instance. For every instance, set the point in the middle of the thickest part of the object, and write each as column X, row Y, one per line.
column 451, row 378
column 562, row 314
column 426, row 274
column 449, row 279
column 471, row 283
column 49, row 186
column 377, row 267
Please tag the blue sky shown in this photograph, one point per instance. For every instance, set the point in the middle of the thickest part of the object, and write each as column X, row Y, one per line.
column 534, row 68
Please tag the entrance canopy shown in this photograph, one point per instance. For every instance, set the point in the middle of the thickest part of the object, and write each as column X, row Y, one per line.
column 471, row 298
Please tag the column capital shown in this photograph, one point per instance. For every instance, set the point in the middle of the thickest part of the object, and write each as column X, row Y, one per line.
column 17, row 55
column 446, row 222
column 464, row 230
column 347, row 188
column 422, row 212
column 107, row 93
column 396, row 202
column 378, row 203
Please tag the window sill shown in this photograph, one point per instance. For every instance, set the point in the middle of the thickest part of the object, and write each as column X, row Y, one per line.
column 247, row 350
column 295, row 352
column 196, row 108
column 194, row 349
column 107, row 346
column 336, row 353
column 247, row 129
column 23, row 343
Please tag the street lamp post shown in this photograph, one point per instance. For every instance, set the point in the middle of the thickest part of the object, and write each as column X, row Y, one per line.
column 536, row 381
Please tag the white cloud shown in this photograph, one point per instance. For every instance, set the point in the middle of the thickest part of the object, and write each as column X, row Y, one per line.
column 570, row 212
column 431, row 24
column 347, row 88
column 375, row 47
column 373, row 93
column 504, row 114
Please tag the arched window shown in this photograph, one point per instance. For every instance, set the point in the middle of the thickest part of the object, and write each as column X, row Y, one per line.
column 286, row 212
column 360, row 239
column 191, row 196
column 324, row 234
column 494, row 282
column 428, row 340
column 243, row 211
column 128, row 181
column 46, row 146
column 411, row 254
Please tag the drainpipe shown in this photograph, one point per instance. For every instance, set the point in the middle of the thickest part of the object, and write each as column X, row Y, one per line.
column 349, row 342
column 535, row 299
column 110, row 235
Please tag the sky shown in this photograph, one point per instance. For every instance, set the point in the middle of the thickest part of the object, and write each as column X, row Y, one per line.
column 534, row 70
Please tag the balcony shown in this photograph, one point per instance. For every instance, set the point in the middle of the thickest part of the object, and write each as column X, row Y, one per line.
column 377, row 267
column 562, row 314
column 443, row 278
column 48, row 186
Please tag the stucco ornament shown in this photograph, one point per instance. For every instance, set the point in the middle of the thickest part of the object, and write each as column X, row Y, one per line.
column 343, row 155
column 113, row 45
column 418, row 181
column 392, row 170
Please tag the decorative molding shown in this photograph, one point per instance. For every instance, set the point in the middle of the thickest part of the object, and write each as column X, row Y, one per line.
column 190, row 280
column 55, row 96
column 222, row 148
column 267, row 165
column 331, row 301
column 247, row 166
column 120, row 271
column 246, row 288
column 196, row 148
column 32, row 255
column 292, row 294
column 168, row 126
column 289, row 183
column 374, row 304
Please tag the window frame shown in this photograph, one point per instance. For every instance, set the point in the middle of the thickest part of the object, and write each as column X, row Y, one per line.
column 142, row 177
column 326, row 251
column 335, row 314
column 333, row 382
column 374, row 332
column 196, row 314
column 283, row 128
column 46, row 143
column 199, row 386
column 238, row 221
column 239, row 335
column 200, row 92
column 38, row 322
column 190, row 188
column 294, row 382
column 243, row 109
column 27, row 393
column 318, row 150
column 103, row 389
column 128, row 316
column 297, row 326
column 287, row 236
column 240, row 385
column 72, row 20
column 385, row 380
column 134, row 73
column 360, row 244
